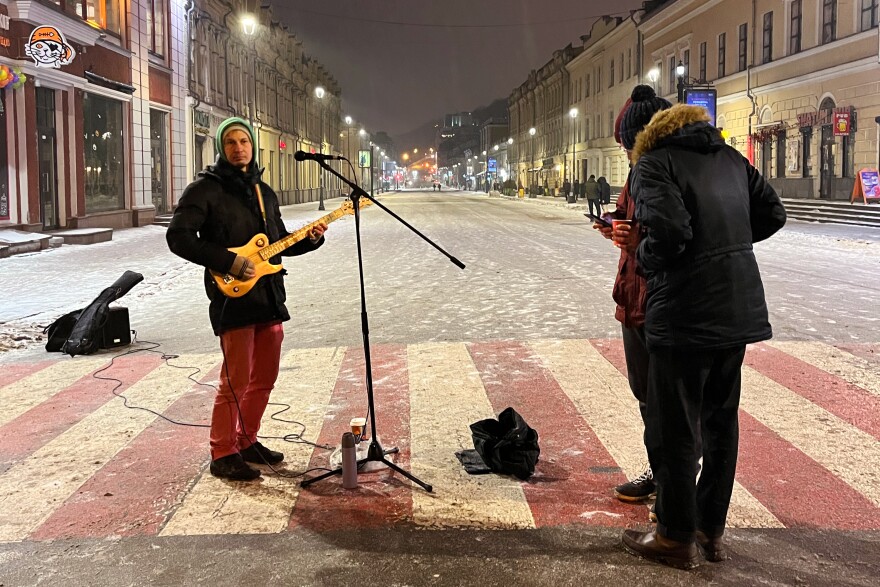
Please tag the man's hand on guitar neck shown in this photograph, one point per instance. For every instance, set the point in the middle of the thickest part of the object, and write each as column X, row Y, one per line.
column 242, row 268
column 317, row 232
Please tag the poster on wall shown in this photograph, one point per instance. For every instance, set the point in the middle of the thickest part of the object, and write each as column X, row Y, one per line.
column 867, row 185
column 48, row 48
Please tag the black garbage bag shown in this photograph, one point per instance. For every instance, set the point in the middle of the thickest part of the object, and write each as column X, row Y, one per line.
column 507, row 445
column 82, row 329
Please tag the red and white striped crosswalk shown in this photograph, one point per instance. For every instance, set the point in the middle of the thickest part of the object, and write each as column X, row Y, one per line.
column 76, row 462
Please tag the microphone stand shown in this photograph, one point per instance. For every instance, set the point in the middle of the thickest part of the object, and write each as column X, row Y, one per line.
column 375, row 452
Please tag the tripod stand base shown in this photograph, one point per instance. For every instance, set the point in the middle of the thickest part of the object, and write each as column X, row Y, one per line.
column 375, row 453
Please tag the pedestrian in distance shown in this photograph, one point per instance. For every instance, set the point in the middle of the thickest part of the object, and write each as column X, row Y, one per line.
column 591, row 191
column 630, row 288
column 604, row 191
column 225, row 207
column 576, row 189
column 701, row 206
column 566, row 188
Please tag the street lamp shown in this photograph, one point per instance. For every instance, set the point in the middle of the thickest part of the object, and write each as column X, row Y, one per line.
column 679, row 72
column 532, row 132
column 249, row 27
column 348, row 121
column 654, row 75
column 319, row 94
column 572, row 114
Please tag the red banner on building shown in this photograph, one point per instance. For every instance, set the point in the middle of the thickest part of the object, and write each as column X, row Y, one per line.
column 842, row 124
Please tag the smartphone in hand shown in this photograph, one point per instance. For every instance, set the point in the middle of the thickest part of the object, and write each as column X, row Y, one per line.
column 598, row 219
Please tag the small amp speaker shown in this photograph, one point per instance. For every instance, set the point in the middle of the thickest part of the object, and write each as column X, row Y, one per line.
column 117, row 330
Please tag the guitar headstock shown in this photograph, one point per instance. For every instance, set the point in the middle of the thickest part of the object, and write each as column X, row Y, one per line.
column 347, row 206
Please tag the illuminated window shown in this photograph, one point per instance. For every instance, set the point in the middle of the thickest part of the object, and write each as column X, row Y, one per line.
column 104, row 14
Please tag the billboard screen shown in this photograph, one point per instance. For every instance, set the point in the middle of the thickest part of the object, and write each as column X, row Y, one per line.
column 705, row 97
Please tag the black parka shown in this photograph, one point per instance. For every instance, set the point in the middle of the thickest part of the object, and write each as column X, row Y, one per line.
column 701, row 205
column 218, row 211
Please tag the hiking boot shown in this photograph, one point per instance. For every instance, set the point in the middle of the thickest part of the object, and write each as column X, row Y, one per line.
column 234, row 468
column 639, row 489
column 257, row 453
column 713, row 549
column 653, row 546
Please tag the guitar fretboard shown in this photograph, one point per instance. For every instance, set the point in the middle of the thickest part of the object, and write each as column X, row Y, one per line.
column 275, row 248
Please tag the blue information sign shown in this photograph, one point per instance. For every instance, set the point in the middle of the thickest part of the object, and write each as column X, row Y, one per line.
column 493, row 165
column 705, row 97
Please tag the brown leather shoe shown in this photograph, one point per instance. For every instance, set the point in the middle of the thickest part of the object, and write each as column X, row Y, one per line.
column 713, row 549
column 654, row 547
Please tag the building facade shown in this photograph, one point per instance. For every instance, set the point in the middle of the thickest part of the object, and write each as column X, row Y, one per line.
column 797, row 85
column 245, row 63
column 94, row 136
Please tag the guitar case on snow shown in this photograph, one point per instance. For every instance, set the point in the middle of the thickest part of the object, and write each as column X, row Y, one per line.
column 81, row 332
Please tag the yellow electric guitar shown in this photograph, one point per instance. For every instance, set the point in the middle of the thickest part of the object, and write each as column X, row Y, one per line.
column 259, row 250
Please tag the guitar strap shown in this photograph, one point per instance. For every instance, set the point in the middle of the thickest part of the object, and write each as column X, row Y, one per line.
column 262, row 205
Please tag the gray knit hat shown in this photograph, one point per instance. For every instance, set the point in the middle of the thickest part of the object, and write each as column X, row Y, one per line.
column 645, row 103
column 228, row 125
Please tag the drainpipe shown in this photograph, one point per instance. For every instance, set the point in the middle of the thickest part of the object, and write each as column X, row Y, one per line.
column 632, row 15
column 751, row 150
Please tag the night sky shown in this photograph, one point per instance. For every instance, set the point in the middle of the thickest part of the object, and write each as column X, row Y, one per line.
column 429, row 58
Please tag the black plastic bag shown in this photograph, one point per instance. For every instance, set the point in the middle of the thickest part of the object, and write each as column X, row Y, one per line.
column 507, row 445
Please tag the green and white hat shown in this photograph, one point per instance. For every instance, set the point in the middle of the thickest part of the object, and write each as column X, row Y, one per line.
column 230, row 124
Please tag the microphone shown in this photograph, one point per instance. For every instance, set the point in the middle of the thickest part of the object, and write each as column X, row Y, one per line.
column 303, row 156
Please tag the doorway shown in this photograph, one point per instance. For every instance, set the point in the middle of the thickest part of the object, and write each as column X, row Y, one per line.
column 159, row 173
column 46, row 156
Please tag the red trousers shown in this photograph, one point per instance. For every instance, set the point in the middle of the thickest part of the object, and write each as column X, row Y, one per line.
column 251, row 358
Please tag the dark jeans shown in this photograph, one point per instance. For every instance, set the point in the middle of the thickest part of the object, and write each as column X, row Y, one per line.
column 636, row 352
column 693, row 394
column 591, row 203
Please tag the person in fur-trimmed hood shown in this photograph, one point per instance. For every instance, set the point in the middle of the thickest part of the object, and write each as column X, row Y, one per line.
column 701, row 206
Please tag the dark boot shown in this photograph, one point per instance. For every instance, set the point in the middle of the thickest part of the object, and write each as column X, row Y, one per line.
column 654, row 547
column 257, row 453
column 713, row 549
column 234, row 468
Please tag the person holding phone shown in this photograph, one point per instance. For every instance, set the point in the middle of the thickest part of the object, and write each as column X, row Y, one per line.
column 630, row 288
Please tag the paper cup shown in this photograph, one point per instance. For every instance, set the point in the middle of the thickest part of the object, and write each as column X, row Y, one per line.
column 357, row 426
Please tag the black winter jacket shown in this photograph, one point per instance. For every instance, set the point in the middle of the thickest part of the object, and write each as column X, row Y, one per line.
column 701, row 205
column 221, row 210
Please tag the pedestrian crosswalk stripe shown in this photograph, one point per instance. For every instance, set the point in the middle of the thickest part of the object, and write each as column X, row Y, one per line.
column 54, row 472
column 32, row 390
column 849, row 453
column 611, row 410
column 446, row 396
column 808, row 457
column 847, row 366
column 573, row 481
column 216, row 506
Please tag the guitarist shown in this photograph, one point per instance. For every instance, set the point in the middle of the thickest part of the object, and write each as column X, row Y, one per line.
column 225, row 207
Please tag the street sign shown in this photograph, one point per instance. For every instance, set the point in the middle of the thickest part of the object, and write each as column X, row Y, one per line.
column 364, row 158
column 493, row 165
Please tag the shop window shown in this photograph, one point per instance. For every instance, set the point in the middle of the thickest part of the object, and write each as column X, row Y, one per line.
column 104, row 149
column 806, row 151
column 780, row 154
column 848, row 163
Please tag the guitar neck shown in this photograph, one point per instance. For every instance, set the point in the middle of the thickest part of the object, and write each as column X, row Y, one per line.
column 291, row 239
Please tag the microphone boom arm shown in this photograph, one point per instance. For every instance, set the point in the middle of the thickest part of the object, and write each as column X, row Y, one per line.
column 357, row 192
